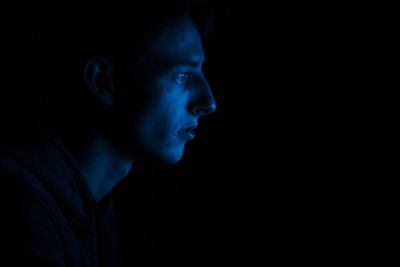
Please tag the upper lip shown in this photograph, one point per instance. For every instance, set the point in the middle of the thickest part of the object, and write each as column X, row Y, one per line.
column 190, row 127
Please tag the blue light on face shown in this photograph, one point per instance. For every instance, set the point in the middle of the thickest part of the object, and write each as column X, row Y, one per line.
column 181, row 77
column 175, row 93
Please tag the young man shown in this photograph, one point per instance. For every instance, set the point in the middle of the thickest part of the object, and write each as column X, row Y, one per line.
column 125, row 84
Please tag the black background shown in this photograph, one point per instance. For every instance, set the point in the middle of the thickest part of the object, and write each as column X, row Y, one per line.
column 272, row 175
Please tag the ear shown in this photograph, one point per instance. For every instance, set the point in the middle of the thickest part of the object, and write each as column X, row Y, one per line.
column 98, row 77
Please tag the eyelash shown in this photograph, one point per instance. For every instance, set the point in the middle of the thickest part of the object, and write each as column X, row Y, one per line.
column 181, row 77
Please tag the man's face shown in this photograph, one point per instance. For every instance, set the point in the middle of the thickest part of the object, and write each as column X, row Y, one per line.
column 168, row 96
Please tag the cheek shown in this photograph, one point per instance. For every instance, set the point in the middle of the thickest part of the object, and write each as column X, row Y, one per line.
column 166, row 110
column 160, row 111
column 156, row 123
column 165, row 120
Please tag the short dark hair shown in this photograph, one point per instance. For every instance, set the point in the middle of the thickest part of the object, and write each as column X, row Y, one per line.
column 66, row 35
column 112, row 28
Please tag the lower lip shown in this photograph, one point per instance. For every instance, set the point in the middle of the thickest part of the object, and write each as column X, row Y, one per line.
column 187, row 135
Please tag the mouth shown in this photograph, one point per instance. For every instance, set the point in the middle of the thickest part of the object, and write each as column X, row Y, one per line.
column 188, row 133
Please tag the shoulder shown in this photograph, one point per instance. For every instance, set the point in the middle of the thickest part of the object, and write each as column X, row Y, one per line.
column 24, row 194
column 29, row 228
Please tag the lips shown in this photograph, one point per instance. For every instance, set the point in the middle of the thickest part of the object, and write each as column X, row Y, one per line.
column 188, row 133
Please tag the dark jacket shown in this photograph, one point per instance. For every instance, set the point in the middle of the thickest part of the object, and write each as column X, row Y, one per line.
column 48, row 216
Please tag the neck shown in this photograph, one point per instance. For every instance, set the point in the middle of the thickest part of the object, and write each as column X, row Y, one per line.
column 101, row 166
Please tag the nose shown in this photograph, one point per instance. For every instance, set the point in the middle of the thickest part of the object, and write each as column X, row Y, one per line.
column 203, row 101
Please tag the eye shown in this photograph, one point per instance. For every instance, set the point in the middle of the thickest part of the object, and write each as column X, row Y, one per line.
column 181, row 77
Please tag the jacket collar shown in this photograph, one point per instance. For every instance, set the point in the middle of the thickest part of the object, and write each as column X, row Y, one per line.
column 39, row 150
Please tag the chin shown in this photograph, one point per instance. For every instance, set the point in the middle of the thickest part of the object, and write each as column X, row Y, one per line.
column 171, row 159
column 171, row 156
column 168, row 157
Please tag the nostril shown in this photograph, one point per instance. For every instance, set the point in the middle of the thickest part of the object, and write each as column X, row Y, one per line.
column 205, row 107
column 202, row 102
column 210, row 107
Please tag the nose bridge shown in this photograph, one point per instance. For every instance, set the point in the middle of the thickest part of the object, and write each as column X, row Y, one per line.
column 203, row 100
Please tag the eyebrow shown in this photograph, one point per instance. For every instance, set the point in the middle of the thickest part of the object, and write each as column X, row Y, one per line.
column 168, row 63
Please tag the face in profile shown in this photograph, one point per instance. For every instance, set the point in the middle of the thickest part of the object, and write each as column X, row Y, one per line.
column 160, row 110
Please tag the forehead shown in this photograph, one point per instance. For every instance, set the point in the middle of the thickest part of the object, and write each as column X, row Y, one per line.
column 180, row 40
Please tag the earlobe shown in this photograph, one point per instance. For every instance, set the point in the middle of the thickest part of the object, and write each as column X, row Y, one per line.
column 97, row 75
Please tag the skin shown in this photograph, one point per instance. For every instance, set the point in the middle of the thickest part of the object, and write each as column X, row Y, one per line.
column 165, row 93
